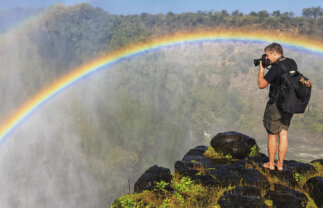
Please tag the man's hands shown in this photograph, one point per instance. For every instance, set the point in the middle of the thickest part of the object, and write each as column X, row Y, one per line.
column 262, row 82
column 260, row 66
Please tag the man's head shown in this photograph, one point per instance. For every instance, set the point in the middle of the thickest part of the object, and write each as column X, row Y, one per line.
column 273, row 52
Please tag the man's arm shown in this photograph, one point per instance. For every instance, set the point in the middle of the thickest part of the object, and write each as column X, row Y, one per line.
column 262, row 82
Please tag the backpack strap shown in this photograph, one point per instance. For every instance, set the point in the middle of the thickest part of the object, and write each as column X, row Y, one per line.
column 280, row 58
column 278, row 62
column 283, row 67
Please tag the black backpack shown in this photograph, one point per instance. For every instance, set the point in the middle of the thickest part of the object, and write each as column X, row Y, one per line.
column 295, row 91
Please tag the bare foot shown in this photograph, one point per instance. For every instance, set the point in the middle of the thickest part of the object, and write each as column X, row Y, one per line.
column 279, row 166
column 267, row 165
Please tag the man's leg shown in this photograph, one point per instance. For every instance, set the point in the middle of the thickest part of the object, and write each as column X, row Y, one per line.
column 272, row 148
column 283, row 146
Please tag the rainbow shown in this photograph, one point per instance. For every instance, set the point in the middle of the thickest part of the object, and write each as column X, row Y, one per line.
column 244, row 35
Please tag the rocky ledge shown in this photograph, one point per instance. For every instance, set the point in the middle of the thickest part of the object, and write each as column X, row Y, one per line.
column 228, row 173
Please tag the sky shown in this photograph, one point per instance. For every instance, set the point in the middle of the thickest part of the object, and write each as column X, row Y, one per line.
column 126, row 7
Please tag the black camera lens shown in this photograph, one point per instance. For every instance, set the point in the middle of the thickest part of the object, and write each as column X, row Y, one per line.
column 265, row 61
column 256, row 62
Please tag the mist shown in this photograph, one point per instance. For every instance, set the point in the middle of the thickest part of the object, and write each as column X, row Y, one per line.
column 82, row 147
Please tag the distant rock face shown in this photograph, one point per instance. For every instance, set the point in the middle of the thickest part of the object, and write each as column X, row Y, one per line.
column 150, row 177
column 234, row 143
column 314, row 186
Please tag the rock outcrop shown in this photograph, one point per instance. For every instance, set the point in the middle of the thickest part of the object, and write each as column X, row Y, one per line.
column 283, row 196
column 315, row 188
column 234, row 143
column 151, row 176
column 233, row 160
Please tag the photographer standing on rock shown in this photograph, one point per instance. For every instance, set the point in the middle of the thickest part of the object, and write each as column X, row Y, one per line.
column 275, row 121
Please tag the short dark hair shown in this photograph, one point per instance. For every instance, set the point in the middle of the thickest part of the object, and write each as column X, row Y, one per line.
column 274, row 47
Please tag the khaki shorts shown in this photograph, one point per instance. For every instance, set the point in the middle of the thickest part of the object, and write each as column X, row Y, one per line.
column 274, row 120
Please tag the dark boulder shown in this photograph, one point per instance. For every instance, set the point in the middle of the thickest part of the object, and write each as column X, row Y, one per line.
column 290, row 169
column 150, row 177
column 317, row 160
column 207, row 180
column 232, row 174
column 314, row 187
column 211, row 172
column 185, row 168
column 234, row 143
column 283, row 196
column 261, row 158
column 236, row 200
column 198, row 150
column 245, row 190
column 253, row 161
column 196, row 155
column 244, row 171
column 285, row 175
column 299, row 167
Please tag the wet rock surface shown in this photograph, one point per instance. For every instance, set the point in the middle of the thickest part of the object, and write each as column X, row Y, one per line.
column 242, row 201
column 287, row 175
column 317, row 160
column 245, row 190
column 149, row 179
column 299, row 167
column 314, row 186
column 283, row 196
column 224, row 175
column 234, row 143
column 290, row 169
column 242, row 173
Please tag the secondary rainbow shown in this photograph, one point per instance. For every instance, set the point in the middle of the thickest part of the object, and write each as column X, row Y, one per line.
column 299, row 42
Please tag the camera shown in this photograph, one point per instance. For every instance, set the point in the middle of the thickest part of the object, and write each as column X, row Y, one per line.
column 265, row 61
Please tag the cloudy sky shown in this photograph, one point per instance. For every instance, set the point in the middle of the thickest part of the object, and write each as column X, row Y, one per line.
column 176, row 6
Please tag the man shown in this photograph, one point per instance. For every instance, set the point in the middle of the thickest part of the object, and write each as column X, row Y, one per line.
column 275, row 121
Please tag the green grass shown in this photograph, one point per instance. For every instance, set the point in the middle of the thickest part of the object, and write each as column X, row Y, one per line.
column 186, row 193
